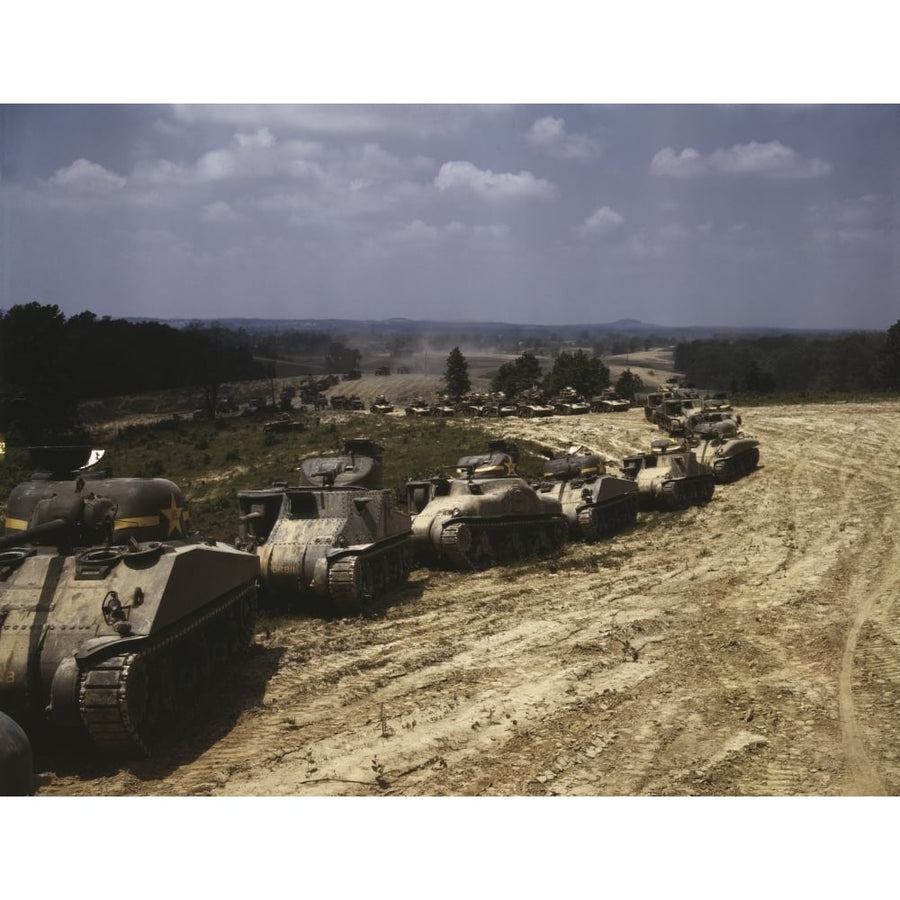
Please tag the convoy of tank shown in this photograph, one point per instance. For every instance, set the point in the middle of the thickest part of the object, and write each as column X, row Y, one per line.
column 113, row 614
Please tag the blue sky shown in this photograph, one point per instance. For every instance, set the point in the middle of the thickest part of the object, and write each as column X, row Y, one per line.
column 762, row 214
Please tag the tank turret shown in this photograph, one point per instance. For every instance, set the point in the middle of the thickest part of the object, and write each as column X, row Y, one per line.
column 111, row 614
column 486, row 514
column 335, row 541
column 595, row 503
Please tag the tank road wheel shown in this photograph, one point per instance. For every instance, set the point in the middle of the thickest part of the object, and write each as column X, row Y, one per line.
column 349, row 583
column 484, row 550
column 587, row 523
column 456, row 544
column 115, row 705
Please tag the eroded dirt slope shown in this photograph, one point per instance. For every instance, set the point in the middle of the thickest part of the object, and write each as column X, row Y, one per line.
column 746, row 648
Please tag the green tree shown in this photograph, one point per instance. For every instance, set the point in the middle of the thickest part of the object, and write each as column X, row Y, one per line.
column 586, row 374
column 519, row 375
column 889, row 359
column 457, row 375
column 39, row 398
column 628, row 384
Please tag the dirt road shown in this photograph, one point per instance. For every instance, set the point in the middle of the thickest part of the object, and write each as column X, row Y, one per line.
column 744, row 648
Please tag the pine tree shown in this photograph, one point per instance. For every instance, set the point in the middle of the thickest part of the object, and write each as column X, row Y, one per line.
column 457, row 376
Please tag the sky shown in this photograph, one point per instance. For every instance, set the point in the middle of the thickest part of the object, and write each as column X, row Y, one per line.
column 774, row 214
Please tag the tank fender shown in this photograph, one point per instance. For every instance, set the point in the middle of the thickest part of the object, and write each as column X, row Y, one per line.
column 63, row 707
column 94, row 647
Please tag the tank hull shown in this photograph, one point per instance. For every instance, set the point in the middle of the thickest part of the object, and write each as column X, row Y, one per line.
column 729, row 459
column 479, row 523
column 337, row 547
column 111, row 642
column 596, row 507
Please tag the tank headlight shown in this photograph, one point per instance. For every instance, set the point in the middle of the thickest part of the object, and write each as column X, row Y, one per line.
column 456, row 511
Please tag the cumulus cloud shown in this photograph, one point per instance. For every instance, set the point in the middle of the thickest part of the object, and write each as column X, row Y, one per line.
column 419, row 231
column 548, row 134
column 218, row 212
column 602, row 222
column 769, row 160
column 86, row 177
column 488, row 184
column 420, row 121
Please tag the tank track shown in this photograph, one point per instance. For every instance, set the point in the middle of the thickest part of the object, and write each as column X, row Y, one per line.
column 481, row 544
column 356, row 580
column 599, row 521
column 736, row 467
column 680, row 493
column 125, row 700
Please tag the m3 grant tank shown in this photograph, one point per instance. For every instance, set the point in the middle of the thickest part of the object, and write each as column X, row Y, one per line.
column 335, row 541
column 596, row 504
column 670, row 477
column 111, row 615
column 488, row 514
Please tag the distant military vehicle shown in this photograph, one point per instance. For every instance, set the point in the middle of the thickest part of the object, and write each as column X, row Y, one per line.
column 485, row 515
column 113, row 615
column 609, row 401
column 419, row 408
column 570, row 403
column 533, row 404
column 283, row 423
column 334, row 542
column 381, row 405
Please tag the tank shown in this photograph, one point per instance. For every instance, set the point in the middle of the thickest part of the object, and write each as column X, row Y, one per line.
column 113, row 616
column 609, row 401
column 533, row 404
column 498, row 407
column 335, row 542
column 16, row 761
column 669, row 477
column 570, row 403
column 419, row 408
column 381, row 405
column 485, row 515
column 596, row 504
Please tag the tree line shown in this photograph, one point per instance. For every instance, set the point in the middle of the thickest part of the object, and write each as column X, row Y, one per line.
column 858, row 362
column 49, row 363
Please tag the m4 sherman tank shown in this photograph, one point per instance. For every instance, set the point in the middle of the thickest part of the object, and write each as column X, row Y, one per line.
column 596, row 504
column 487, row 514
column 111, row 615
column 335, row 541
column 670, row 477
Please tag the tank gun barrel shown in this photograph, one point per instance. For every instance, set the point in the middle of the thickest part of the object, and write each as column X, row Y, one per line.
column 23, row 537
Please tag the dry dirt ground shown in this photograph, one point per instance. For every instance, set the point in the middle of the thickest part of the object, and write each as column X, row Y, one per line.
column 746, row 648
